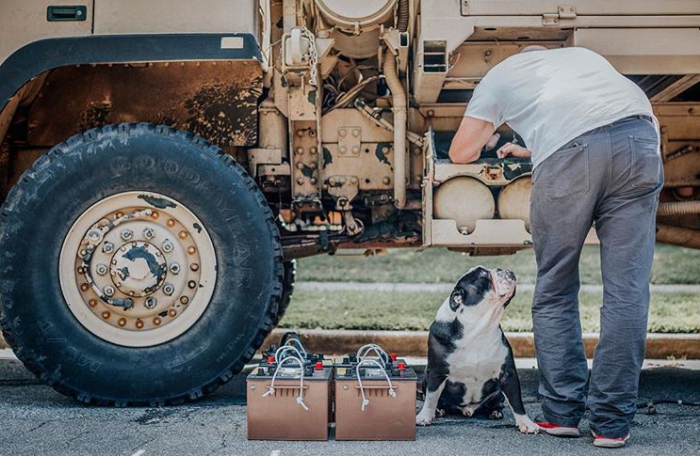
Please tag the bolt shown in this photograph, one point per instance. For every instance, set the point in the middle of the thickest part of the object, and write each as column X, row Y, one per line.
column 84, row 286
column 148, row 233
column 95, row 235
column 300, row 181
column 122, row 321
column 342, row 133
column 167, row 246
column 191, row 249
column 172, row 312
column 80, row 270
column 356, row 150
column 108, row 247
column 119, row 215
column 313, row 181
column 139, row 324
column 101, row 269
column 105, row 314
column 194, row 267
column 92, row 302
column 169, row 289
column 343, row 149
column 354, row 181
column 156, row 321
column 182, row 234
column 356, row 132
column 175, row 268
column 300, row 166
column 126, row 234
column 300, row 133
column 184, row 300
column 109, row 291
column 82, row 253
column 191, row 284
column 313, row 165
column 299, row 150
column 385, row 150
column 151, row 303
column 386, row 180
column 171, row 223
column 313, row 151
column 155, row 215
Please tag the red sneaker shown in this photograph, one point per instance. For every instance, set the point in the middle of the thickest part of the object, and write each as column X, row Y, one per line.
column 609, row 442
column 558, row 431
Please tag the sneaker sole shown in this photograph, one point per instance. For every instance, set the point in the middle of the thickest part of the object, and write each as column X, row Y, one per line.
column 609, row 443
column 562, row 432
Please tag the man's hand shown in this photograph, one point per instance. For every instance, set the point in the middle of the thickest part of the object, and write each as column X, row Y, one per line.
column 513, row 150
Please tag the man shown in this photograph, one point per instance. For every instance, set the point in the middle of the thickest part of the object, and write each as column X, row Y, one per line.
column 593, row 141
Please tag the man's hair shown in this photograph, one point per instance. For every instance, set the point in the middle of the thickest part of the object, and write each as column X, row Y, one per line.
column 532, row 47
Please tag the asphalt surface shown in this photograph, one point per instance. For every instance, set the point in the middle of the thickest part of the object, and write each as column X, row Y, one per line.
column 36, row 420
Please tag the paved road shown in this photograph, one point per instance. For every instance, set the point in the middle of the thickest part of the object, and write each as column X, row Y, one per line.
column 38, row 421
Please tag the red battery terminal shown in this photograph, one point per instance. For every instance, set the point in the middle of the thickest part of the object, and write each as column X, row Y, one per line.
column 402, row 366
column 270, row 360
column 393, row 357
column 319, row 366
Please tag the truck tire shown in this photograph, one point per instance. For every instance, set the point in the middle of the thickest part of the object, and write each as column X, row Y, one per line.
column 290, row 276
column 139, row 265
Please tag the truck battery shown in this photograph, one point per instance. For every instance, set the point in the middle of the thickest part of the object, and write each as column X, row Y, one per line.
column 289, row 396
column 375, row 398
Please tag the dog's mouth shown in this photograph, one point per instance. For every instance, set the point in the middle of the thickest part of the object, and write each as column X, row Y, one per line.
column 503, row 282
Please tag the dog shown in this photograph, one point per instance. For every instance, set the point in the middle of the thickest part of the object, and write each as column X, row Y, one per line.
column 470, row 362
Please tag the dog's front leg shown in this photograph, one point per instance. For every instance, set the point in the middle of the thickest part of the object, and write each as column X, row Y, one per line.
column 436, row 383
column 510, row 384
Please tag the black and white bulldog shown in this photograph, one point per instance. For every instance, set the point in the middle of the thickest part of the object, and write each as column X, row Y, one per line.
column 470, row 362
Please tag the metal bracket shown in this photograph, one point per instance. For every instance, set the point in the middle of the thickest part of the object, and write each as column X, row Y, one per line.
column 563, row 12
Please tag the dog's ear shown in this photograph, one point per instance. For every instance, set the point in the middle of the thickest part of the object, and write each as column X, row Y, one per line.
column 457, row 298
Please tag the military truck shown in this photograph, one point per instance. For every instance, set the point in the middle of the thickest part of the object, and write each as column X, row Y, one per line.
column 164, row 162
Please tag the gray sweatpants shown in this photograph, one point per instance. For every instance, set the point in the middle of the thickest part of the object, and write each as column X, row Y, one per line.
column 610, row 177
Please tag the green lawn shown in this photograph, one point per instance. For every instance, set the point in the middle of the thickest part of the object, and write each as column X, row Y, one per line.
column 670, row 312
column 672, row 265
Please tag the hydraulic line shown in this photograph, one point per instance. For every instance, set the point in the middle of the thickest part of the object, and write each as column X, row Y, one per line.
column 399, row 104
column 678, row 208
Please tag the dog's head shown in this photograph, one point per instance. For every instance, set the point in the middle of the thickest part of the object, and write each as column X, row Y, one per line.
column 493, row 288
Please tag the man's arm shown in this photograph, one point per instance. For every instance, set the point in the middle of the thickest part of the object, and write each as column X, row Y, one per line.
column 470, row 139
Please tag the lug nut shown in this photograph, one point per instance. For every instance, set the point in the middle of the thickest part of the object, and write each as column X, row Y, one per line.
column 101, row 269
column 148, row 233
column 108, row 247
column 184, row 300
column 169, row 289
column 105, row 314
column 139, row 324
column 109, row 291
column 151, row 303
column 126, row 234
column 194, row 267
column 175, row 268
column 167, row 246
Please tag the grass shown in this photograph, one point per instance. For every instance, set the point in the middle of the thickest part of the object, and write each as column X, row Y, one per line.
column 670, row 312
column 672, row 265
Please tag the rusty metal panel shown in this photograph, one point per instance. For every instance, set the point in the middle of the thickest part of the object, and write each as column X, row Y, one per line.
column 216, row 100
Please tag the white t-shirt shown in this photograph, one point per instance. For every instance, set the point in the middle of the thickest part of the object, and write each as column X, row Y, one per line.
column 551, row 97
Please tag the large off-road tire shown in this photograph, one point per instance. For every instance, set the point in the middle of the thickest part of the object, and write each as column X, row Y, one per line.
column 288, row 281
column 119, row 215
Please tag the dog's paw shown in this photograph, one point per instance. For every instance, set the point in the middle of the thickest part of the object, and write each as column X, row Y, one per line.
column 468, row 411
column 526, row 425
column 424, row 419
column 440, row 413
column 496, row 415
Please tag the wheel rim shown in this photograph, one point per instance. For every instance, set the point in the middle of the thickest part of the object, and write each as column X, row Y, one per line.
column 137, row 269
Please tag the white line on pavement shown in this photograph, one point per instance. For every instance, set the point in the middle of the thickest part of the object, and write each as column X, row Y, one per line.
column 139, row 453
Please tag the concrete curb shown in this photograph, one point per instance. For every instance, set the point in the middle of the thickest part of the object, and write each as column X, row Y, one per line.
column 415, row 343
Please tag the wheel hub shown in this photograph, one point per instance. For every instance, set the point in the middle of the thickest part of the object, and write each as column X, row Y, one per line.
column 135, row 273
